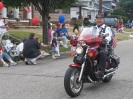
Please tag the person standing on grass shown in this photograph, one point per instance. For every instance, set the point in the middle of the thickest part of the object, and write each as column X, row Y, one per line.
column 54, row 45
column 53, row 31
column 76, row 30
column 49, row 29
column 3, row 26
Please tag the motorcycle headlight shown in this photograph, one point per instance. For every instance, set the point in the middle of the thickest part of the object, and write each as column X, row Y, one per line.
column 79, row 50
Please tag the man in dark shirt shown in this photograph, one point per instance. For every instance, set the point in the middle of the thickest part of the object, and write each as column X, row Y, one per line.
column 31, row 50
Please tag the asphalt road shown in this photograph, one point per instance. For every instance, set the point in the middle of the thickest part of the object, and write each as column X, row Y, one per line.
column 45, row 80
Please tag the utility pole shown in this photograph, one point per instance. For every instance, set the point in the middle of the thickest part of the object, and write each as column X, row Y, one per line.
column 100, row 6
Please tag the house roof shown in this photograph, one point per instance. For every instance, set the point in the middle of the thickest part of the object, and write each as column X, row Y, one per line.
column 104, row 7
column 77, row 5
column 113, row 4
column 88, row 8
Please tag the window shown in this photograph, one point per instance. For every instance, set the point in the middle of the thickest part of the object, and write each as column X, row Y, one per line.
column 77, row 13
column 66, row 11
column 90, row 3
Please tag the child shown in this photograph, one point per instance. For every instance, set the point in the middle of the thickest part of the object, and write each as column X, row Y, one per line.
column 53, row 30
column 54, row 45
column 7, row 57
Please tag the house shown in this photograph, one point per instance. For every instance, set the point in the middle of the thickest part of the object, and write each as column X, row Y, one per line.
column 107, row 6
column 26, row 14
column 87, row 9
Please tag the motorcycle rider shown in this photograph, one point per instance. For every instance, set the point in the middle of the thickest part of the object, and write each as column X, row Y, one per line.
column 99, row 28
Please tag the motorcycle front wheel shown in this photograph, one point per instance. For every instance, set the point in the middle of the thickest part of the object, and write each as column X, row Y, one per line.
column 72, row 87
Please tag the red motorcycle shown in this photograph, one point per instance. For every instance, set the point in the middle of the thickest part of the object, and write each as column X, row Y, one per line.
column 85, row 65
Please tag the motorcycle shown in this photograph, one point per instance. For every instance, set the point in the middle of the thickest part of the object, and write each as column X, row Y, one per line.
column 85, row 65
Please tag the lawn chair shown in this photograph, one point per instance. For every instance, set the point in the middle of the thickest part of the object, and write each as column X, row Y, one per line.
column 11, row 50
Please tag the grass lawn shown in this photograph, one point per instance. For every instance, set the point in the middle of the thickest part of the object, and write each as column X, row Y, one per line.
column 128, row 30
column 122, row 36
column 20, row 35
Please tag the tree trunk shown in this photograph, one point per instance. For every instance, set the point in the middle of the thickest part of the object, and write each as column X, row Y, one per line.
column 45, row 28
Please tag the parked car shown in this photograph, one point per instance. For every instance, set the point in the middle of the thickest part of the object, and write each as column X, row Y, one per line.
column 111, row 22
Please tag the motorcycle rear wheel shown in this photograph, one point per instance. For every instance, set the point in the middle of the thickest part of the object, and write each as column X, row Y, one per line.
column 72, row 87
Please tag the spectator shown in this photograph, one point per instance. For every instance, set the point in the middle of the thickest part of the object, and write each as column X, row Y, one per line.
column 7, row 57
column 86, row 22
column 3, row 27
column 76, row 29
column 20, row 48
column 41, row 44
column 11, row 15
column 128, row 24
column 64, row 31
column 54, row 45
column 53, row 30
column 132, row 24
column 49, row 29
column 61, row 37
column 31, row 50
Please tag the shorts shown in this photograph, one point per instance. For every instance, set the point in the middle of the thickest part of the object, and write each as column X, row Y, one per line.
column 54, row 50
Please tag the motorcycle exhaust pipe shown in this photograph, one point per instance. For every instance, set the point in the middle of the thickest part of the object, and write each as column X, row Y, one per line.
column 91, row 81
column 111, row 73
column 110, row 70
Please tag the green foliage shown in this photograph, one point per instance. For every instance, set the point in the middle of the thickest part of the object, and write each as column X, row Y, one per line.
column 60, row 4
column 21, row 35
column 80, row 22
column 118, row 12
column 43, row 6
column 122, row 36
column 127, row 6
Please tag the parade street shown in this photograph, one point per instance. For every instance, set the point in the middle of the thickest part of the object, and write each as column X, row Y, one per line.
column 46, row 79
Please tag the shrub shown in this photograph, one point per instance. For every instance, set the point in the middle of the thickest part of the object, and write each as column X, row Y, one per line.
column 80, row 22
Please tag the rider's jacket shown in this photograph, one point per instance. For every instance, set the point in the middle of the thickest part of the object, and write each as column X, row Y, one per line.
column 97, row 30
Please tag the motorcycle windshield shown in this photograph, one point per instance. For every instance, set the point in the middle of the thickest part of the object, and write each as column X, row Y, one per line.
column 88, row 35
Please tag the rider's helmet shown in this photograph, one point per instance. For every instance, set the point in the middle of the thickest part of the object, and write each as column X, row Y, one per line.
column 99, row 15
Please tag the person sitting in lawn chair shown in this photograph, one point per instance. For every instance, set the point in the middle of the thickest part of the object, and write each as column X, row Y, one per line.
column 10, row 48
column 4, row 55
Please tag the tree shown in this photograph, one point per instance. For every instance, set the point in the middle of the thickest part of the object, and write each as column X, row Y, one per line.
column 127, row 6
column 118, row 12
column 43, row 6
